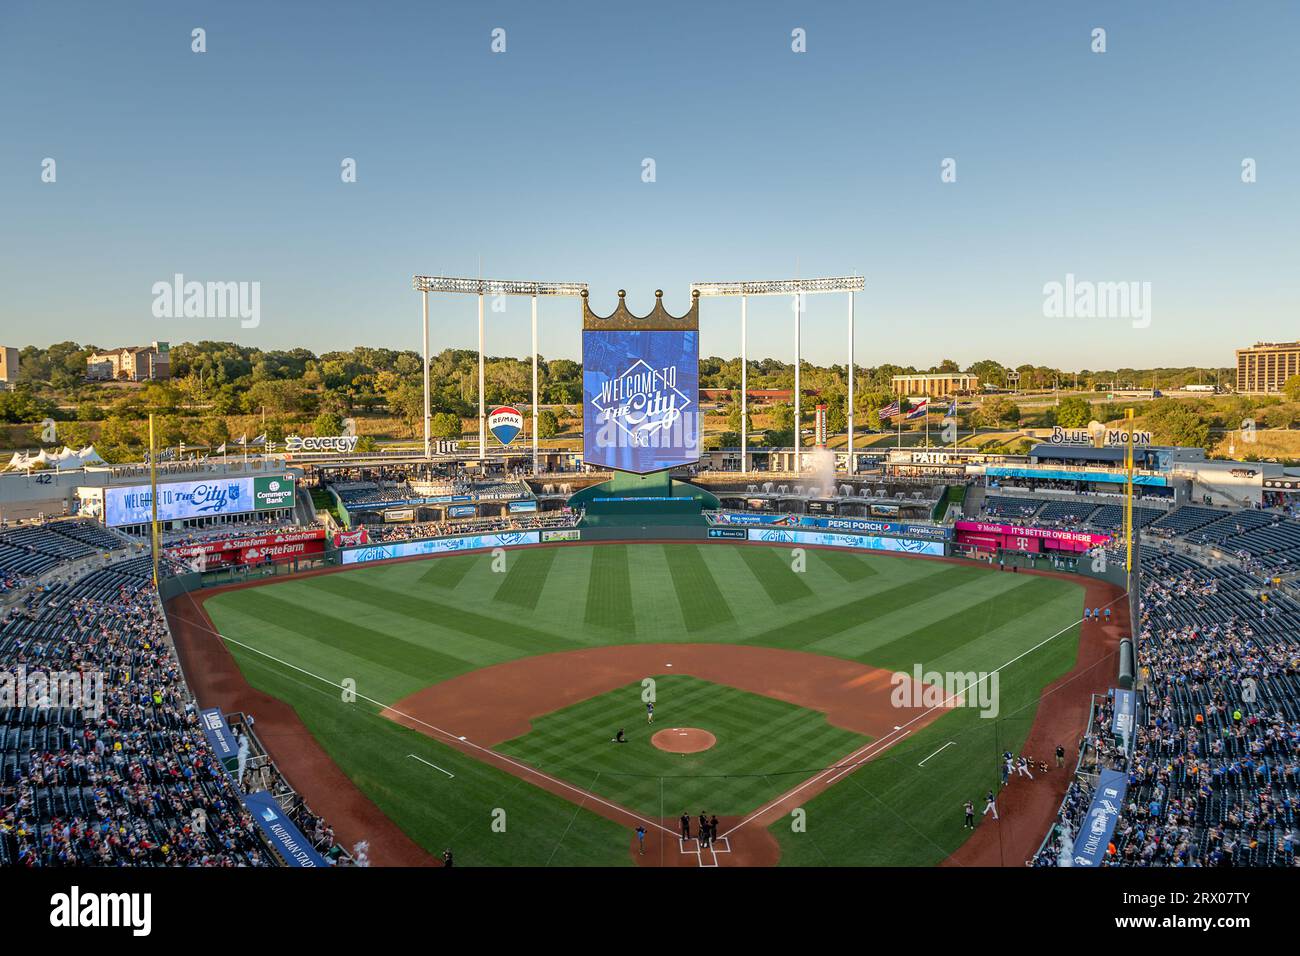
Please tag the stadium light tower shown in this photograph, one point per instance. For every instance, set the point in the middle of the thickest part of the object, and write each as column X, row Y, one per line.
column 481, row 287
column 797, row 288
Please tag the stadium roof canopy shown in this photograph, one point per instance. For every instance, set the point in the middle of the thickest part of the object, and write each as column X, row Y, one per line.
column 1077, row 453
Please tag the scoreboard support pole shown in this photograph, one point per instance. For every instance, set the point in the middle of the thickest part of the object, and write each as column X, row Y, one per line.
column 425, row 297
column 744, row 389
column 850, row 429
column 534, row 298
column 798, row 404
column 798, row 288
column 480, row 287
column 482, row 414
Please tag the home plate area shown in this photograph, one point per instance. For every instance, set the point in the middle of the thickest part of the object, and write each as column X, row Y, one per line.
column 704, row 856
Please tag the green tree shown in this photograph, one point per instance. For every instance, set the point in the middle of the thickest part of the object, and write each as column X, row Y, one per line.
column 1074, row 412
column 548, row 424
column 445, row 425
column 1291, row 388
column 327, row 423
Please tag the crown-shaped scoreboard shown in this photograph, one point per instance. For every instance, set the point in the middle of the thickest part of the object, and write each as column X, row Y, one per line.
column 641, row 387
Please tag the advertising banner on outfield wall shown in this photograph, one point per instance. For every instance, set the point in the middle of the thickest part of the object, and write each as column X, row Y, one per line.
column 728, row 533
column 991, row 536
column 224, row 552
column 468, row 542
column 1099, row 825
column 284, row 835
column 562, row 534
column 830, row 539
column 863, row 525
column 640, row 398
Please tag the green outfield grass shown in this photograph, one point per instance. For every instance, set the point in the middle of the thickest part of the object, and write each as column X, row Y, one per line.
column 396, row 628
column 764, row 747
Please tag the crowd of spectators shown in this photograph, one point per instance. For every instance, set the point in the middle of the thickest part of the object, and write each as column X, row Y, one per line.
column 241, row 529
column 1214, row 779
column 410, row 531
column 129, row 779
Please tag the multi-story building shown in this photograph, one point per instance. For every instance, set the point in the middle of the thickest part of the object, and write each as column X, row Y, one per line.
column 140, row 363
column 8, row 366
column 935, row 384
column 1265, row 366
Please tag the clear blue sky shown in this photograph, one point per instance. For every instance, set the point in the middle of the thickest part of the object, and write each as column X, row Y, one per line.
column 225, row 166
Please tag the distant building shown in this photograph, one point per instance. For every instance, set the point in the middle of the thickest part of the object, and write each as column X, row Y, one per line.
column 1265, row 366
column 935, row 384
column 761, row 396
column 8, row 366
column 141, row 363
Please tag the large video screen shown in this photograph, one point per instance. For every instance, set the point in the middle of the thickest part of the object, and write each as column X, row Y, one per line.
column 641, row 399
column 132, row 504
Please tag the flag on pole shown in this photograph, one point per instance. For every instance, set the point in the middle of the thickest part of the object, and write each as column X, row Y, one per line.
column 952, row 410
column 922, row 408
column 889, row 411
column 259, row 440
column 243, row 439
column 221, row 449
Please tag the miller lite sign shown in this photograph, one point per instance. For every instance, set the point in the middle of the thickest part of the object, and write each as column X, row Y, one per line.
column 505, row 423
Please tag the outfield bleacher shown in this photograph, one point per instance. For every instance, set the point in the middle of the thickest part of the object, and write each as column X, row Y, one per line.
column 1070, row 511
column 1111, row 517
column 1005, row 506
column 1186, row 519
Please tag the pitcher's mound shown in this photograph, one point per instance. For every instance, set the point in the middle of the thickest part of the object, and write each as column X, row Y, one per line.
column 683, row 740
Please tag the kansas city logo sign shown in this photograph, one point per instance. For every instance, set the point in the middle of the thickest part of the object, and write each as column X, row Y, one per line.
column 642, row 401
column 505, row 423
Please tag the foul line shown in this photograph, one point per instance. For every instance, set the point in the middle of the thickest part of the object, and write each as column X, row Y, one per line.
column 884, row 743
column 853, row 761
column 450, row 736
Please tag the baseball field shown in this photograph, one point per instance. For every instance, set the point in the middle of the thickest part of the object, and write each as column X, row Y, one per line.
column 475, row 699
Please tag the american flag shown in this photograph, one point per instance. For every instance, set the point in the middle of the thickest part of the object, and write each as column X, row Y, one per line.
column 889, row 411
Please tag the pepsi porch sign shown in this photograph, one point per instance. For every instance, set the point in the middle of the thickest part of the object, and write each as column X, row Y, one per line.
column 505, row 423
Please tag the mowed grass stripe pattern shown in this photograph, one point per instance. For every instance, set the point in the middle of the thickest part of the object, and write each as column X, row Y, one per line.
column 609, row 591
column 525, row 578
column 763, row 748
column 397, row 628
column 698, row 595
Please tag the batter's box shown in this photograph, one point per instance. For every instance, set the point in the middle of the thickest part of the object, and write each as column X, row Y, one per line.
column 720, row 845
